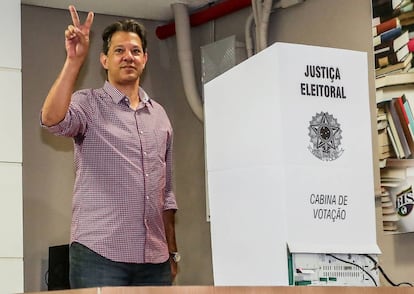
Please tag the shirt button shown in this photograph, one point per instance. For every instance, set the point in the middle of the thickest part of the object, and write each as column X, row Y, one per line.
column 147, row 197
column 145, row 153
column 141, row 132
column 146, row 175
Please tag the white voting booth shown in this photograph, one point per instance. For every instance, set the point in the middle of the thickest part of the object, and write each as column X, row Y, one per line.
column 289, row 161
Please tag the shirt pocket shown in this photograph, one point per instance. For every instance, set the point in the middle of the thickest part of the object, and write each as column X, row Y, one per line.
column 161, row 137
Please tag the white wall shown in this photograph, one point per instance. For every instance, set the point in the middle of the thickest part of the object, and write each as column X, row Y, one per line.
column 11, row 206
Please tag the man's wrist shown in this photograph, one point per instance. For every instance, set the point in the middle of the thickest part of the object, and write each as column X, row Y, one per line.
column 175, row 256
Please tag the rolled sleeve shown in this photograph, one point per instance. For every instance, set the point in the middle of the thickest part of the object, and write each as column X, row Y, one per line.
column 58, row 129
column 170, row 201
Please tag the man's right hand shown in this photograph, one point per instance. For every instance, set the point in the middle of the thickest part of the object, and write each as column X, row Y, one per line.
column 77, row 36
column 77, row 46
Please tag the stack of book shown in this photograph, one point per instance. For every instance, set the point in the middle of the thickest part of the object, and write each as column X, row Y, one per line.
column 405, row 14
column 395, row 126
column 392, row 179
column 395, row 123
column 389, row 214
column 392, row 80
column 393, row 37
column 384, row 10
column 385, row 146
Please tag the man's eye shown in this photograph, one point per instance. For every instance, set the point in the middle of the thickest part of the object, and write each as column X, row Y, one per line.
column 136, row 52
column 118, row 50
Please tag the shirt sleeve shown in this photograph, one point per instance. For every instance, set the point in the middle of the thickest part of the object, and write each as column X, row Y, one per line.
column 170, row 200
column 75, row 121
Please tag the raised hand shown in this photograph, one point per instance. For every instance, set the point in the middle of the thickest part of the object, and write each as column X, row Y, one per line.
column 77, row 36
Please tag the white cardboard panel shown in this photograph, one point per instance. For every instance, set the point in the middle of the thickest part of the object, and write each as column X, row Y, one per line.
column 248, row 227
column 351, row 112
column 11, row 275
column 10, row 56
column 11, row 210
column 242, row 110
column 330, row 213
column 258, row 131
column 11, row 115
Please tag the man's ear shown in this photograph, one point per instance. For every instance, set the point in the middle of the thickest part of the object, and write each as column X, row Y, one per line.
column 103, row 58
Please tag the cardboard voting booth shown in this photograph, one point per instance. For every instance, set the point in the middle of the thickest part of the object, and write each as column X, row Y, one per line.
column 289, row 161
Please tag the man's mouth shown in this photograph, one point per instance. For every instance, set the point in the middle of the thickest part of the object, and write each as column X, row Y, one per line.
column 128, row 67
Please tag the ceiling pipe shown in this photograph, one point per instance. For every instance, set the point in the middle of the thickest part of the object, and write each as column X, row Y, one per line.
column 185, row 58
column 248, row 35
column 203, row 16
column 264, row 23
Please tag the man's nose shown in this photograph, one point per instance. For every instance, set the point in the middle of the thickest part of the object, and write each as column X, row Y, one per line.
column 128, row 55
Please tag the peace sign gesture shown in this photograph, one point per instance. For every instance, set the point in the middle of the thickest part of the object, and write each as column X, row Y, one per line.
column 77, row 36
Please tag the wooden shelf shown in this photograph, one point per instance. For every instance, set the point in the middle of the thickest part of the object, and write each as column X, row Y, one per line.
column 394, row 79
column 394, row 162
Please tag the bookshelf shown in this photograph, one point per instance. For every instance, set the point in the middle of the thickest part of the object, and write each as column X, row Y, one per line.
column 399, row 163
column 393, row 47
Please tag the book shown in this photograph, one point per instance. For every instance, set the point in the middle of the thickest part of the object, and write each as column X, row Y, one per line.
column 390, row 226
column 400, row 106
column 383, row 139
column 384, row 155
column 386, row 202
column 376, row 21
column 388, row 210
column 393, row 134
column 386, row 58
column 382, row 95
column 397, row 148
column 382, row 124
column 386, row 136
column 398, row 4
column 393, row 173
column 409, row 112
column 392, row 44
column 407, row 22
column 400, row 110
column 404, row 9
column 405, row 15
column 386, row 26
column 401, row 128
column 386, row 36
column 382, row 8
column 394, row 79
column 397, row 130
column 402, row 66
column 395, row 162
column 385, row 149
column 409, row 28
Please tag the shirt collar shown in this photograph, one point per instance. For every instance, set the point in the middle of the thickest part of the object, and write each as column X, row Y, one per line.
column 117, row 96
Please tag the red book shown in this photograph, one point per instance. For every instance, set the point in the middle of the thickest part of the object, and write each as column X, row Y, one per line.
column 403, row 122
column 386, row 26
column 410, row 45
column 401, row 106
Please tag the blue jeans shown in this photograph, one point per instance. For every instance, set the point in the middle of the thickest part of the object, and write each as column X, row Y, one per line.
column 89, row 269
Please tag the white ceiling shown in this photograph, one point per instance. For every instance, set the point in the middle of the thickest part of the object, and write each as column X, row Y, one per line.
column 143, row 9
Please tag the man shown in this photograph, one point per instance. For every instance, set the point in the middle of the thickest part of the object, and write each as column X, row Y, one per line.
column 122, row 231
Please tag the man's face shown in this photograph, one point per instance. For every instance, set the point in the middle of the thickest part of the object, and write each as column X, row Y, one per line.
column 125, row 60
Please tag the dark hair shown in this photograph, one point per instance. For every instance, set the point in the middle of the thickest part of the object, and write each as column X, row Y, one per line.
column 128, row 25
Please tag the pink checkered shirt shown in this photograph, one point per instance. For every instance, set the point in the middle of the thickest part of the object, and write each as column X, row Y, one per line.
column 123, row 161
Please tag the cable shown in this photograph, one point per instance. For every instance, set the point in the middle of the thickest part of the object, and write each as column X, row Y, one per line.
column 358, row 266
column 47, row 278
column 385, row 275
